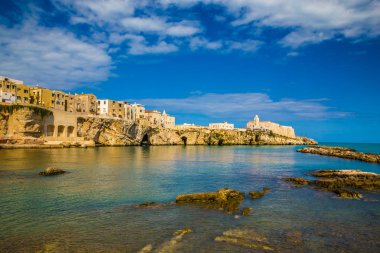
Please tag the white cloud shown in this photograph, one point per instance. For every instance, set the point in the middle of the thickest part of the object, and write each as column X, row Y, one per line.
column 242, row 106
column 303, row 37
column 349, row 18
column 144, row 24
column 51, row 57
column 247, row 46
column 197, row 43
column 141, row 47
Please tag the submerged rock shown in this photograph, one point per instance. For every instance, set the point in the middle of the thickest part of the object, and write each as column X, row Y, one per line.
column 167, row 246
column 294, row 237
column 51, row 171
column 257, row 195
column 297, row 181
column 246, row 211
column 347, row 153
column 147, row 204
column 245, row 238
column 226, row 199
column 341, row 182
column 344, row 194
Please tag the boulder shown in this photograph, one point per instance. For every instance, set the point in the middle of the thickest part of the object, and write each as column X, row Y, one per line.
column 51, row 171
column 225, row 199
column 257, row 195
column 147, row 204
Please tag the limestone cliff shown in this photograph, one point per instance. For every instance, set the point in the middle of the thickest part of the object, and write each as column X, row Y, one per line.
column 22, row 123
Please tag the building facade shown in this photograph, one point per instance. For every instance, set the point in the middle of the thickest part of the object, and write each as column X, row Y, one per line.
column 138, row 112
column 41, row 96
column 111, row 108
column 256, row 124
column 224, row 125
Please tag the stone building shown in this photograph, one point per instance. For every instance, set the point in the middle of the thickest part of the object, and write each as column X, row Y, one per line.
column 14, row 91
column 154, row 117
column 86, row 103
column 224, row 125
column 58, row 100
column 256, row 124
column 128, row 111
column 41, row 96
column 138, row 112
column 167, row 120
column 111, row 108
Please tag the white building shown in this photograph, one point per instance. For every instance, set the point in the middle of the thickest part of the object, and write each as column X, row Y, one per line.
column 224, row 125
column 167, row 120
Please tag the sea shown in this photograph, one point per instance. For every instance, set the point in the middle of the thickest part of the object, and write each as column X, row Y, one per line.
column 92, row 208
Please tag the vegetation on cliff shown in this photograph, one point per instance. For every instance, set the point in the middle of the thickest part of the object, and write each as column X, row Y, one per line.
column 10, row 109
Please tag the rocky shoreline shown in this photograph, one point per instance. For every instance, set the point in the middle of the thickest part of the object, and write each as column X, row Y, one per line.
column 344, row 183
column 347, row 153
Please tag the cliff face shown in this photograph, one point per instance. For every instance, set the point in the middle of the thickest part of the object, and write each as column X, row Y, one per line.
column 28, row 123
column 22, row 122
column 110, row 131
column 204, row 136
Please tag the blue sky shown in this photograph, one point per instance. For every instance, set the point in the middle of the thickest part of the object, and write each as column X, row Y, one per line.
column 311, row 64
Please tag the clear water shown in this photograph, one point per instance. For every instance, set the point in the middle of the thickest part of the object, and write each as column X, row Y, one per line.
column 90, row 208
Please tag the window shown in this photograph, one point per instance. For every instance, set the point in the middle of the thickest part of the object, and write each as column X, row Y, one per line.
column 26, row 92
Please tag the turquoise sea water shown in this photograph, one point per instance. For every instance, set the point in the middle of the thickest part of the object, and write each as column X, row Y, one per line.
column 90, row 209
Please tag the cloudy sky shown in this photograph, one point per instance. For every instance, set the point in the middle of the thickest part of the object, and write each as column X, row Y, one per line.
column 311, row 64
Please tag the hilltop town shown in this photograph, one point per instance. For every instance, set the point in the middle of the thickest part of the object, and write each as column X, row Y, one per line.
column 77, row 118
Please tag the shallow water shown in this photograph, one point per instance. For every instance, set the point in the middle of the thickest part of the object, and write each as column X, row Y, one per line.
column 90, row 209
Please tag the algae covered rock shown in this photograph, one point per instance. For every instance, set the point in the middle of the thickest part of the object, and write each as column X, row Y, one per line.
column 257, row 195
column 297, row 181
column 225, row 199
column 347, row 153
column 246, row 211
column 342, row 182
column 51, row 171
column 245, row 238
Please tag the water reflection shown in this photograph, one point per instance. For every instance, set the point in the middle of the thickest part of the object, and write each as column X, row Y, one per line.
column 90, row 208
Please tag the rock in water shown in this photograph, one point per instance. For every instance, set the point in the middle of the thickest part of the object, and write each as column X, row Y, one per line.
column 347, row 153
column 297, row 181
column 341, row 182
column 51, row 171
column 246, row 211
column 257, row 195
column 226, row 199
column 245, row 238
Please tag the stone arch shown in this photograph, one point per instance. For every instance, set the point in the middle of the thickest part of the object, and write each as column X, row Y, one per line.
column 220, row 142
column 184, row 140
column 70, row 131
column 251, row 141
column 50, row 130
column 257, row 138
column 145, row 140
column 61, row 130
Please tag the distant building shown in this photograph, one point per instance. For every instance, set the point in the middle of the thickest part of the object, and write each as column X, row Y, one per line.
column 138, row 112
column 86, row 103
column 41, row 96
column 154, row 117
column 256, row 124
column 58, row 100
column 187, row 126
column 167, row 120
column 14, row 91
column 224, row 125
column 111, row 108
